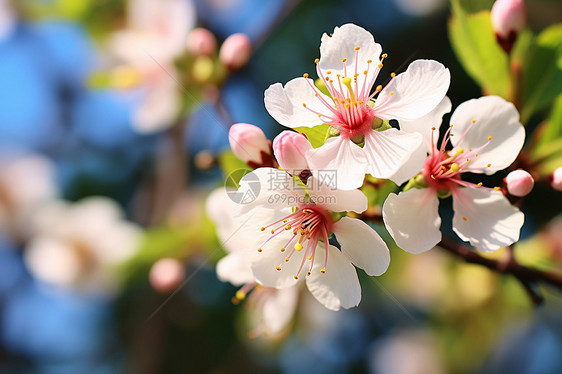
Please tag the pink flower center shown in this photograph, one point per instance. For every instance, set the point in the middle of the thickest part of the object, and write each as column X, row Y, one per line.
column 305, row 228
column 442, row 169
column 349, row 111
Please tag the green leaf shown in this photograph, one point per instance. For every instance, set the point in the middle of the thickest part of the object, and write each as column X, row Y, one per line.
column 553, row 127
column 233, row 168
column 543, row 73
column 316, row 135
column 475, row 45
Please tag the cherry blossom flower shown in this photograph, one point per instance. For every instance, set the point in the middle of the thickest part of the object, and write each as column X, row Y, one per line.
column 290, row 227
column 486, row 136
column 80, row 245
column 273, row 308
column 350, row 61
column 27, row 181
column 156, row 33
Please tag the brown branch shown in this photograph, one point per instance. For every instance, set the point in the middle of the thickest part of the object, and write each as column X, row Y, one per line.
column 528, row 277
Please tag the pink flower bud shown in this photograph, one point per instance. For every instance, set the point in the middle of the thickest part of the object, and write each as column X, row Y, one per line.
column 557, row 179
column 235, row 51
column 166, row 275
column 519, row 183
column 508, row 18
column 201, row 42
column 290, row 150
column 248, row 142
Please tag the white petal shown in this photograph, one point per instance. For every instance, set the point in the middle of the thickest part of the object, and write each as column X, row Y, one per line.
column 494, row 117
column 219, row 208
column 387, row 151
column 411, row 167
column 415, row 92
column 53, row 261
column 158, row 109
column 265, row 264
column 235, row 268
column 279, row 308
column 265, row 187
column 285, row 104
column 338, row 286
column 424, row 124
column 412, row 219
column 339, row 162
column 491, row 221
column 362, row 245
column 335, row 199
column 342, row 45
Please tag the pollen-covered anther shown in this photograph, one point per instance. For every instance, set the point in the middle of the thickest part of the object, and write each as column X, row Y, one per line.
column 272, row 231
column 433, row 128
column 282, row 249
column 309, row 258
column 262, row 228
column 343, row 59
column 323, row 270
column 489, row 138
column 296, row 276
column 240, row 295
column 278, row 268
column 392, row 93
column 304, row 105
column 357, row 48
column 288, row 227
column 384, row 55
column 473, row 121
column 305, row 75
column 379, row 88
column 497, row 188
column 286, row 259
column 464, row 218
column 489, row 165
column 308, row 273
column 369, row 61
column 380, row 66
column 260, row 250
column 392, row 74
column 479, row 184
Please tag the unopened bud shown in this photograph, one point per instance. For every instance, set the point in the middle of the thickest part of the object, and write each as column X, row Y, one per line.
column 556, row 182
column 290, row 150
column 519, row 183
column 235, row 52
column 248, row 142
column 166, row 275
column 508, row 18
column 201, row 42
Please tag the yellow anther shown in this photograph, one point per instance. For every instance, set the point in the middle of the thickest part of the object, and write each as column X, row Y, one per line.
column 379, row 88
column 278, row 268
column 365, row 72
column 384, row 55
column 305, row 75
column 331, row 81
column 473, row 121
column 392, row 75
column 286, row 259
column 392, row 93
column 260, row 250
column 464, row 218
column 272, row 231
column 262, row 229
column 476, row 155
column 304, row 105
column 454, row 167
column 329, row 72
column 240, row 295
column 479, row 184
column 497, row 188
column 433, row 128
column 308, row 273
column 357, row 48
column 284, row 221
column 346, row 106
column 328, row 79
column 369, row 61
column 489, row 138
column 316, row 61
column 288, row 227
column 343, row 59
column 309, row 258
column 432, row 177
column 489, row 165
column 460, row 150
column 323, row 270
column 296, row 276
column 380, row 66
column 282, row 249
column 298, row 247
